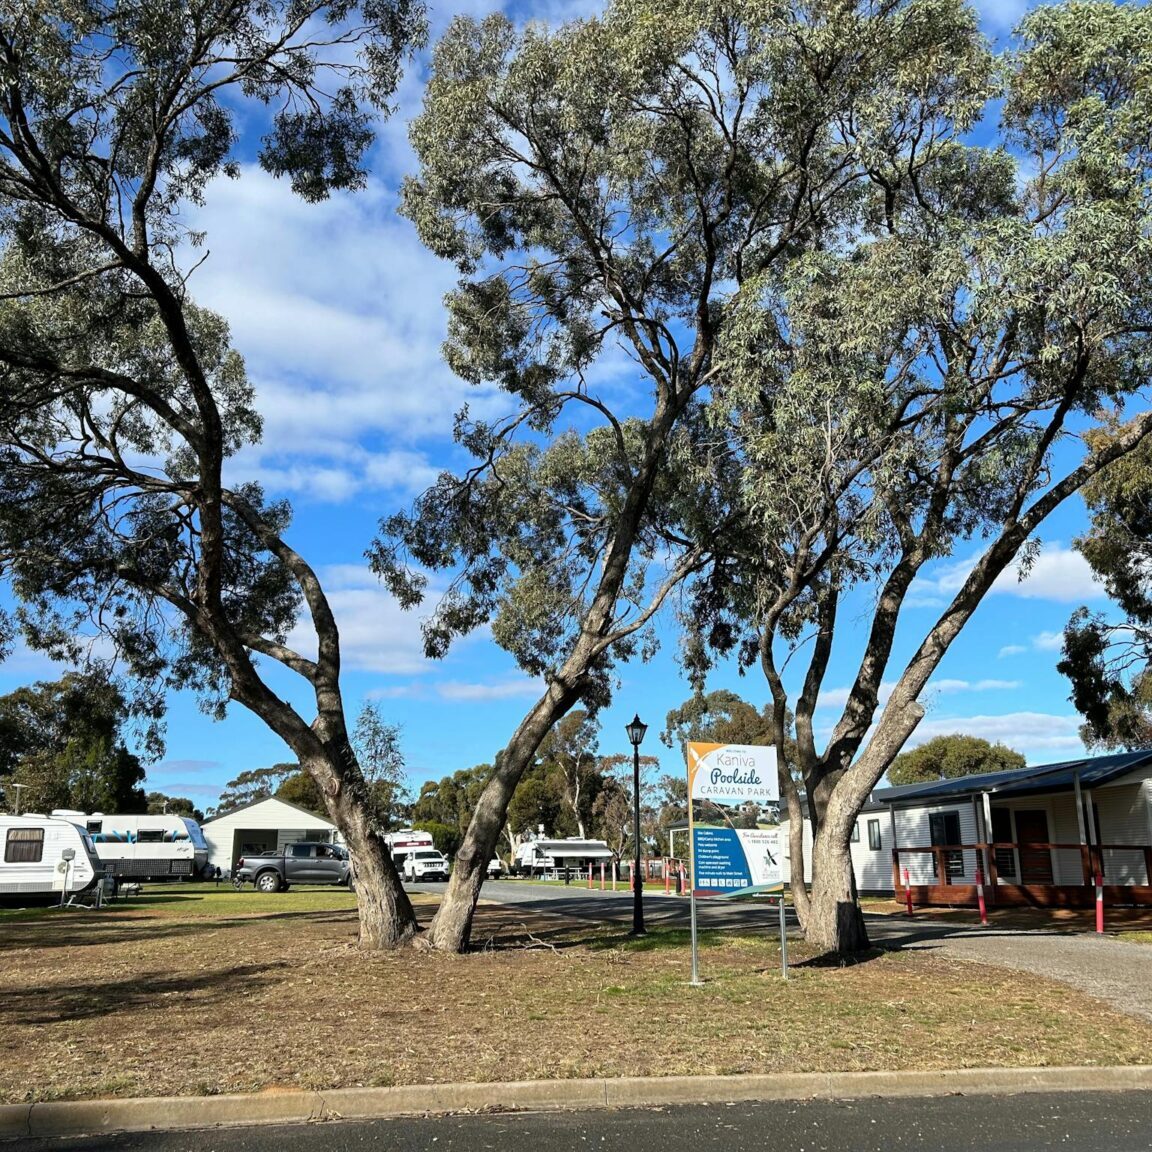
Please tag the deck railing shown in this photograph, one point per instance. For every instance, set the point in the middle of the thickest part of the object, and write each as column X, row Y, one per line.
column 1030, row 856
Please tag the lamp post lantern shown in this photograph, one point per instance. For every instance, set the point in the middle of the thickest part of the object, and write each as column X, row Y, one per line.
column 636, row 732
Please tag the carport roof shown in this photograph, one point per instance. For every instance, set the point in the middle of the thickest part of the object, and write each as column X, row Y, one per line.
column 575, row 847
column 1093, row 772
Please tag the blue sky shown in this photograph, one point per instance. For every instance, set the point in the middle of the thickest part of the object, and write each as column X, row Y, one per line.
column 337, row 310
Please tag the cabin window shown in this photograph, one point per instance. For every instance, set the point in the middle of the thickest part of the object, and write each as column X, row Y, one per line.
column 1002, row 834
column 856, row 833
column 944, row 831
column 150, row 836
column 24, row 846
column 874, row 835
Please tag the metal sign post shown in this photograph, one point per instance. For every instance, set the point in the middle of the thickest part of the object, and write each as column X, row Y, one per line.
column 783, row 938
column 695, row 982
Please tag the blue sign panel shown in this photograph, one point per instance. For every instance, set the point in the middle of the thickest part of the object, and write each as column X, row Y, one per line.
column 729, row 861
column 720, row 866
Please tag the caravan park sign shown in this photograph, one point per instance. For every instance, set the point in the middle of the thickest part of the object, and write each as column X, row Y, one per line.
column 726, row 860
column 732, row 773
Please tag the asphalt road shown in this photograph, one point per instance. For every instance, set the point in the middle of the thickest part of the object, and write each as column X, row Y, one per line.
column 581, row 902
column 1118, row 1122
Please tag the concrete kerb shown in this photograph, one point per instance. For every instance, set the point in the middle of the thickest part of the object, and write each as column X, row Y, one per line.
column 87, row 1117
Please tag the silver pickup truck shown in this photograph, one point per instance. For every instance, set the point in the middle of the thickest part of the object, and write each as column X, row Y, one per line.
column 303, row 863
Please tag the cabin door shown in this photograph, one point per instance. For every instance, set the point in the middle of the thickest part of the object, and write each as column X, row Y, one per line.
column 1035, row 863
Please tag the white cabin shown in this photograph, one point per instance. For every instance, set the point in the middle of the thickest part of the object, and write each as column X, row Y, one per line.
column 1038, row 835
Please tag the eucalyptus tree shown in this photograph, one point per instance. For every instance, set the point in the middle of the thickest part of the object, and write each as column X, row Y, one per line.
column 931, row 393
column 607, row 191
column 951, row 757
column 64, row 744
column 121, row 400
column 1108, row 657
column 570, row 748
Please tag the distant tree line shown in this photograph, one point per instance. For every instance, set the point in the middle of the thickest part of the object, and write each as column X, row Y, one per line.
column 62, row 746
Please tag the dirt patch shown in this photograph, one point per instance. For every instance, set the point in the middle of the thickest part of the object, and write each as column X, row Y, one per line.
column 239, row 992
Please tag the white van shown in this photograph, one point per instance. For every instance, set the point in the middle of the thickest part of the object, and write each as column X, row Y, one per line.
column 42, row 855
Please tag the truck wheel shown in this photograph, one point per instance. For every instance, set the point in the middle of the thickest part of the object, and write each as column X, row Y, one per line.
column 268, row 882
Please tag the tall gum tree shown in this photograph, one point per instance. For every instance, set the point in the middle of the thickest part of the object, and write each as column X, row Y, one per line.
column 120, row 400
column 607, row 188
column 935, row 390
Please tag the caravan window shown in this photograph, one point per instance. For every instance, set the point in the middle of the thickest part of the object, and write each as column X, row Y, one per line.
column 24, row 846
column 150, row 836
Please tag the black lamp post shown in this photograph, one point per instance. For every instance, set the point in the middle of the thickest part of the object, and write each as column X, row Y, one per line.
column 636, row 732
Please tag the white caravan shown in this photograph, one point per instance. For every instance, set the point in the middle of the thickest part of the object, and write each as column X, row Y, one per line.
column 405, row 843
column 43, row 855
column 142, row 847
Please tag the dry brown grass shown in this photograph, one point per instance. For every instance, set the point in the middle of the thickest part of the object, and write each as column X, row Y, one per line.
column 237, row 992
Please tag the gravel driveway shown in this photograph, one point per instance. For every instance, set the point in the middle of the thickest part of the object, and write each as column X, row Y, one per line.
column 1117, row 972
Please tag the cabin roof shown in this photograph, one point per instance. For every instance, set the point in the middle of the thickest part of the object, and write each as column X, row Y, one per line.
column 1093, row 771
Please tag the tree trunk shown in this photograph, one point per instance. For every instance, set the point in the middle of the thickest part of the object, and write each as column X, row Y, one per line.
column 796, row 884
column 387, row 918
column 452, row 924
column 835, row 922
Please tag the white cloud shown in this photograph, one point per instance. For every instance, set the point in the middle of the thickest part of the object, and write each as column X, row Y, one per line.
column 1059, row 574
column 190, row 766
column 376, row 634
column 1041, row 642
column 838, row 697
column 1033, row 733
column 460, row 690
column 189, row 791
column 338, row 311
column 948, row 687
column 502, row 690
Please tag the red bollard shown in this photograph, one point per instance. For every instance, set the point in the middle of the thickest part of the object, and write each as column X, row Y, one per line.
column 980, row 894
column 1099, row 903
column 907, row 892
column 589, row 874
column 601, row 875
column 667, row 878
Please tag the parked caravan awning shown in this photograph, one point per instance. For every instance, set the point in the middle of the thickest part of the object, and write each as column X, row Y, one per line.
column 584, row 849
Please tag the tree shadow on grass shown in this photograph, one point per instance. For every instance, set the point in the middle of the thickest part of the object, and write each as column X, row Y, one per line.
column 81, row 1001
column 510, row 930
column 82, row 929
column 655, row 940
column 840, row 959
